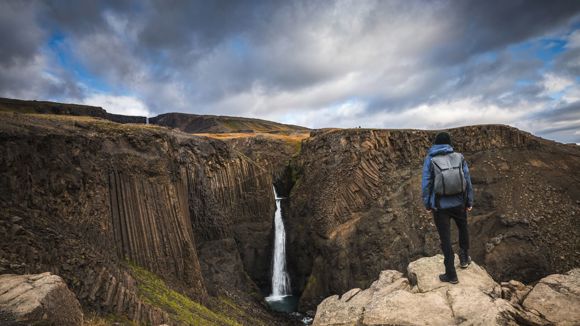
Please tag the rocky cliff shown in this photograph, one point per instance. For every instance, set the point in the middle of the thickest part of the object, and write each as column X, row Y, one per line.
column 356, row 206
column 96, row 202
column 120, row 210
column 421, row 299
column 272, row 152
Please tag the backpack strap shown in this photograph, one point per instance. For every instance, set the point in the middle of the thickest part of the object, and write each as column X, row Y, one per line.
column 464, row 193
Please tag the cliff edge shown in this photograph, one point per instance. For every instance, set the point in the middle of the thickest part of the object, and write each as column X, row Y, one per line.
column 421, row 299
column 357, row 209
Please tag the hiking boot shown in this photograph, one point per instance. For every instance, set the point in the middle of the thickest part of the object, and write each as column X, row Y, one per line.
column 464, row 259
column 445, row 278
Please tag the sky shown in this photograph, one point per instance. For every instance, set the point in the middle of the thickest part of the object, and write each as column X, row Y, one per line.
column 375, row 64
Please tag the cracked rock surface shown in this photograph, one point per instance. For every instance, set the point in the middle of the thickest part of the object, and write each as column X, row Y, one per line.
column 557, row 297
column 38, row 298
column 421, row 299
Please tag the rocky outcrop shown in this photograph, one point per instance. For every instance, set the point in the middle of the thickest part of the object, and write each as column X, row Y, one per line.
column 35, row 299
column 85, row 198
column 557, row 298
column 356, row 206
column 421, row 299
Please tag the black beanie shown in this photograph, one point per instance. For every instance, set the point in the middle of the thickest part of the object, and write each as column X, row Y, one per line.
column 442, row 138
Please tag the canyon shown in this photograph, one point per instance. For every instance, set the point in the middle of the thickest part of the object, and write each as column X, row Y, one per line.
column 120, row 208
column 357, row 210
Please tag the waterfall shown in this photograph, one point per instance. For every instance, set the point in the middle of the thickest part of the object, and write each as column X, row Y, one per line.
column 280, row 279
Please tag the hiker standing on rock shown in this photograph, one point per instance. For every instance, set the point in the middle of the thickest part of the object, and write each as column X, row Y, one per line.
column 448, row 194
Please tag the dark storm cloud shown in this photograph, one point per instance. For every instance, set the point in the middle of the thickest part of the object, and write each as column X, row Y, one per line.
column 181, row 34
column 81, row 17
column 488, row 25
column 22, row 72
column 201, row 24
column 19, row 36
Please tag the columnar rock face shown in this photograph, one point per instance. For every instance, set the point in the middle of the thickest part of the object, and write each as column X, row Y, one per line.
column 84, row 198
column 151, row 227
column 356, row 206
column 271, row 153
column 232, row 208
column 36, row 299
column 421, row 299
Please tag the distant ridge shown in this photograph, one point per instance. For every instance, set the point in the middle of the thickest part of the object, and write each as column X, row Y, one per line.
column 46, row 107
column 191, row 123
column 194, row 123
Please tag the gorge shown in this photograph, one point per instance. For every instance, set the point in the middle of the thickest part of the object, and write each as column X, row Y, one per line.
column 136, row 217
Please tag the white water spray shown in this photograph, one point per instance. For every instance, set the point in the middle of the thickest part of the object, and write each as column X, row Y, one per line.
column 280, row 279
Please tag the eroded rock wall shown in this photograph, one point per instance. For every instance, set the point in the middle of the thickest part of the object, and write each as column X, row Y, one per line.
column 232, row 207
column 356, row 207
column 84, row 198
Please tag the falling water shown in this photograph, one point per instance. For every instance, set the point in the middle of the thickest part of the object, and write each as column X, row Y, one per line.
column 281, row 298
column 280, row 279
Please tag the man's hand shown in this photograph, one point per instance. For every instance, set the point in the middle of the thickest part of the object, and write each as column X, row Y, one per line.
column 428, row 210
column 469, row 208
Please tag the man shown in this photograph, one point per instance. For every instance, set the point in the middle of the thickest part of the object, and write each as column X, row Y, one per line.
column 448, row 193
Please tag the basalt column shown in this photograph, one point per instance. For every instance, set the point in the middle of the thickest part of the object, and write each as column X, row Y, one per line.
column 231, row 204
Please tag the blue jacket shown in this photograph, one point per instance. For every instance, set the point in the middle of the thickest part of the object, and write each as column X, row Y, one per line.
column 427, row 182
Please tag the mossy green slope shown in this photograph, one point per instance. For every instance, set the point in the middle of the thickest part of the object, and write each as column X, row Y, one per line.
column 182, row 309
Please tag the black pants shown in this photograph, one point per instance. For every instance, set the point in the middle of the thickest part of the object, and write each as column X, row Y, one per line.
column 442, row 218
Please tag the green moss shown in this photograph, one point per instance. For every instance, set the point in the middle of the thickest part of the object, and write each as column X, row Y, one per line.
column 92, row 319
column 154, row 291
column 232, row 308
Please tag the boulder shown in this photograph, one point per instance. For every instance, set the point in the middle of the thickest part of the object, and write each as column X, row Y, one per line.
column 421, row 299
column 39, row 297
column 348, row 309
column 514, row 291
column 557, row 298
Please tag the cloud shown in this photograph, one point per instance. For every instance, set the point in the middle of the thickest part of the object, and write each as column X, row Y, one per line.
column 555, row 84
column 420, row 64
column 561, row 122
column 19, row 38
column 125, row 105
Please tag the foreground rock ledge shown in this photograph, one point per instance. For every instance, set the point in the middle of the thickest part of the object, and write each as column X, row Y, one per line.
column 38, row 297
column 421, row 299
